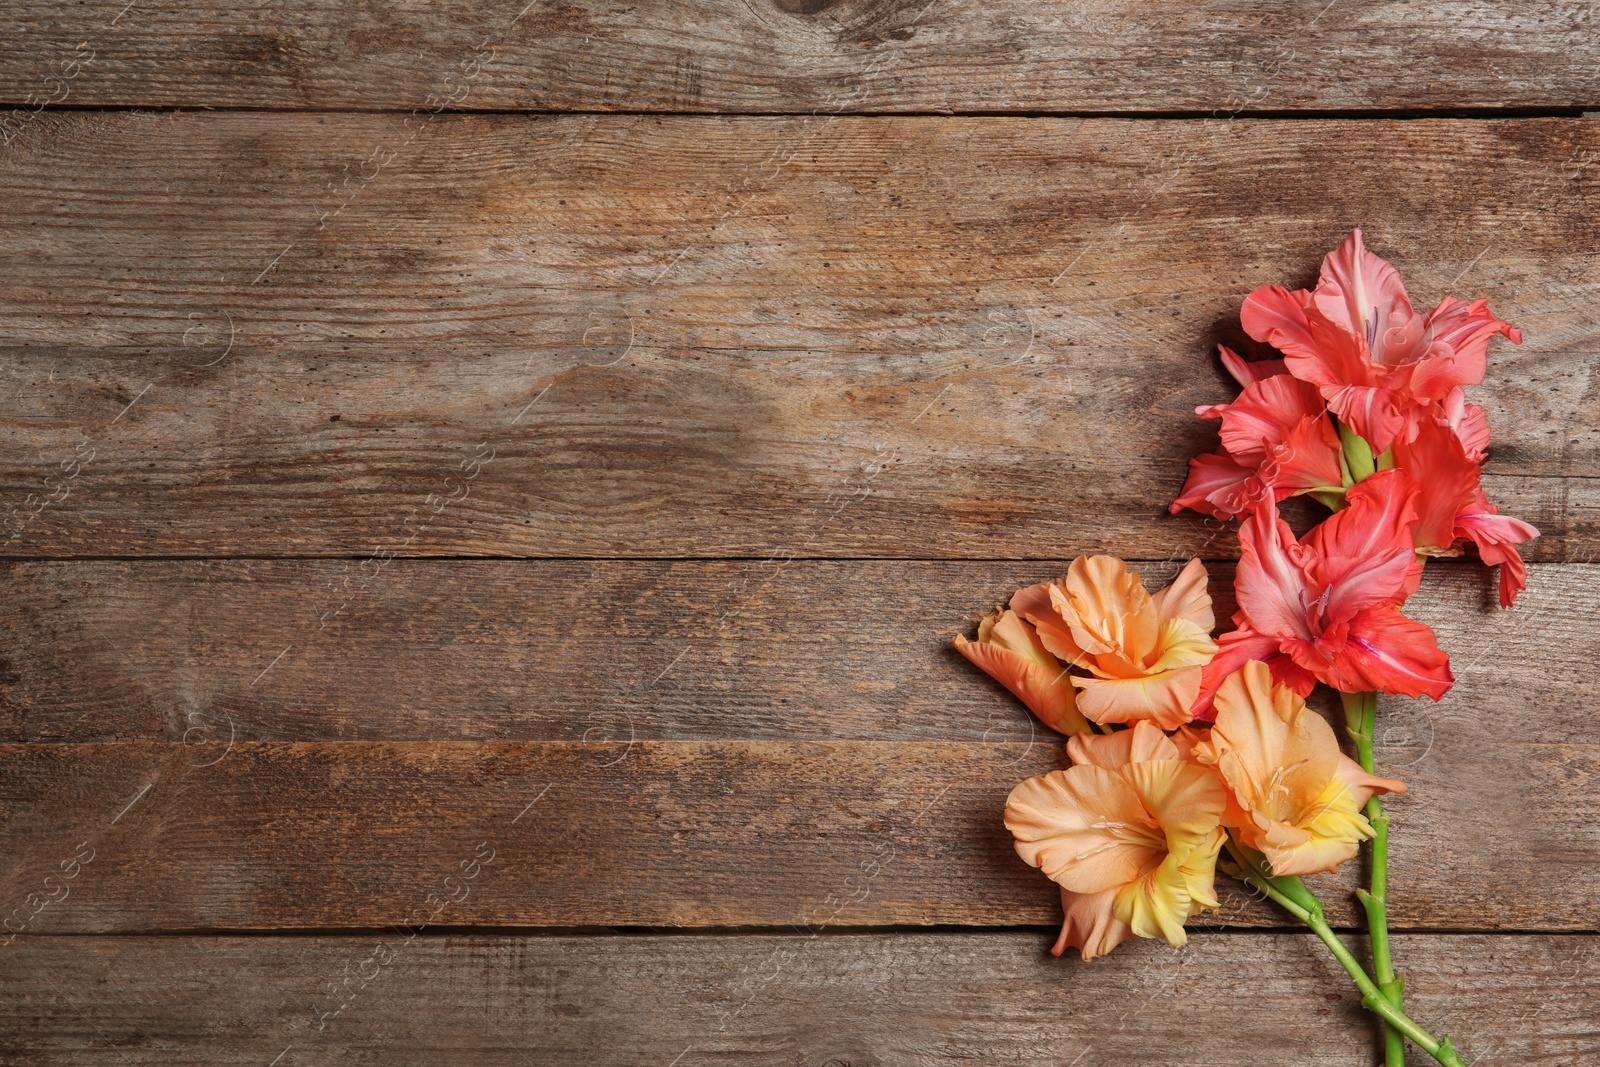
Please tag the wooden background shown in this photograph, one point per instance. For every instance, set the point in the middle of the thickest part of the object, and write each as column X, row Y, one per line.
column 519, row 468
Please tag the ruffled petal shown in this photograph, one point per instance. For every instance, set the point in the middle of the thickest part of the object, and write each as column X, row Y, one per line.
column 1273, row 587
column 1307, row 459
column 1085, row 827
column 1218, row 485
column 1364, row 555
column 1377, row 413
column 1113, row 751
column 1245, row 371
column 1032, row 602
column 1088, row 924
column 1182, row 644
column 1276, row 316
column 1387, row 651
column 1108, row 608
column 1469, row 422
column 1459, row 333
column 1010, row 652
column 1447, row 478
column 1264, row 415
column 1363, row 294
column 1163, row 698
column 1497, row 536
column 1188, row 597
column 1186, row 800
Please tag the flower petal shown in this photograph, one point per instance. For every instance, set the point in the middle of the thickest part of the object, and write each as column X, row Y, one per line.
column 1009, row 651
column 1112, row 751
column 1218, row 485
column 1458, row 353
column 1245, row 371
column 1032, row 602
column 1364, row 555
column 1497, row 536
column 1307, row 459
column 1164, row 698
column 1273, row 588
column 1088, row 924
column 1374, row 412
column 1264, row 414
column 1363, row 294
column 1234, row 650
column 1387, row 651
column 1364, row 786
column 1447, row 477
column 1469, row 422
column 1108, row 609
column 1188, row 801
column 1188, row 597
column 1276, row 316
column 1085, row 827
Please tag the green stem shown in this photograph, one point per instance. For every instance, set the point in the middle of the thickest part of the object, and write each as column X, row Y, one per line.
column 1292, row 895
column 1361, row 714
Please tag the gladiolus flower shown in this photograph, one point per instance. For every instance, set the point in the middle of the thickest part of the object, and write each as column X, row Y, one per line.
column 1452, row 505
column 1131, row 834
column 1009, row 651
column 1328, row 609
column 1145, row 652
column 1358, row 340
column 1276, row 436
column 1294, row 797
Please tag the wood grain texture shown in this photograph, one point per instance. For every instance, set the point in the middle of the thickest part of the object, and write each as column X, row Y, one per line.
column 271, row 835
column 805, row 55
column 291, row 334
column 1226, row 1000
column 257, row 650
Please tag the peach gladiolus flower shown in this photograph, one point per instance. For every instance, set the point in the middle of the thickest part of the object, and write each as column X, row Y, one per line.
column 1008, row 650
column 1145, row 651
column 1295, row 798
column 1131, row 834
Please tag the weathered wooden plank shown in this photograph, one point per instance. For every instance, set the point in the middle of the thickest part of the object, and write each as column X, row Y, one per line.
column 268, row 334
column 806, row 55
column 364, row 834
column 917, row 999
column 809, row 650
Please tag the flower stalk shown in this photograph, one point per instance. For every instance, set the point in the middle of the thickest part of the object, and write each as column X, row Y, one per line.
column 1292, row 895
column 1361, row 713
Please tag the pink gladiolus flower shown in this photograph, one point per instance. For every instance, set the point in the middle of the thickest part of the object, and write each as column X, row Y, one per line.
column 1443, row 460
column 1358, row 340
column 1327, row 609
column 1276, row 436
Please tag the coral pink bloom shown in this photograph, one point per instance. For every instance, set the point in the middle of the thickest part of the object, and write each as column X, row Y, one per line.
column 1327, row 610
column 1131, row 834
column 1294, row 797
column 1008, row 650
column 1451, row 503
column 1276, row 435
column 1358, row 340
